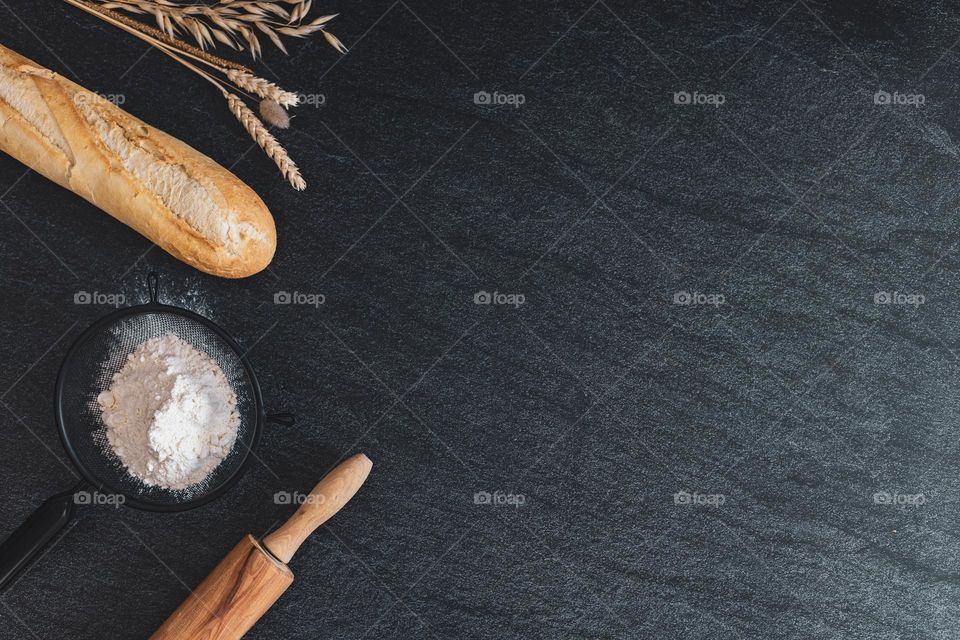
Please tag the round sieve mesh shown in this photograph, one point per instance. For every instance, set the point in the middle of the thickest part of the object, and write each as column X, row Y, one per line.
column 89, row 368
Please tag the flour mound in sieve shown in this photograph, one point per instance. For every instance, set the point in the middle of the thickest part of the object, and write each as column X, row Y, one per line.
column 170, row 413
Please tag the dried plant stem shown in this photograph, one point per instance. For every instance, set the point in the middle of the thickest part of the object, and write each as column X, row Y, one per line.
column 255, row 128
column 185, row 48
column 167, row 50
column 247, row 118
column 238, row 24
column 241, row 76
column 267, row 142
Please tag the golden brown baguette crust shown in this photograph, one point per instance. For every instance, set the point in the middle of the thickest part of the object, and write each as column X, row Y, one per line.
column 171, row 193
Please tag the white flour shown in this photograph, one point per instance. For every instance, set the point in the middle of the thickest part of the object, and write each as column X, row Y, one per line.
column 170, row 413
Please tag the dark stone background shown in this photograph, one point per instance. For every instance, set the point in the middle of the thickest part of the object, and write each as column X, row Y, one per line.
column 599, row 199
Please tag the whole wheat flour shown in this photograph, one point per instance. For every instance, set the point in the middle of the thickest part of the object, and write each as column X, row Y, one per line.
column 170, row 413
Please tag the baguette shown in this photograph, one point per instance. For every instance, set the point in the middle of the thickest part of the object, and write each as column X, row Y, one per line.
column 169, row 192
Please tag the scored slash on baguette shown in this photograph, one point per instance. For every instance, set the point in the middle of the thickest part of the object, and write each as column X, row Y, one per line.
column 175, row 196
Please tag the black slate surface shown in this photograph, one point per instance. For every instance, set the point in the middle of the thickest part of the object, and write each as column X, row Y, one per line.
column 798, row 402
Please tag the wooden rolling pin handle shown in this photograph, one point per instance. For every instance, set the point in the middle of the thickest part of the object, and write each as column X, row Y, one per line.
column 328, row 497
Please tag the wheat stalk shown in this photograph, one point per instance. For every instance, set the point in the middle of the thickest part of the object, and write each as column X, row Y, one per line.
column 234, row 23
column 190, row 50
column 263, row 88
column 237, row 74
column 267, row 142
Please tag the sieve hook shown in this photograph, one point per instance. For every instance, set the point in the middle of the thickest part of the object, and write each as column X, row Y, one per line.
column 153, row 286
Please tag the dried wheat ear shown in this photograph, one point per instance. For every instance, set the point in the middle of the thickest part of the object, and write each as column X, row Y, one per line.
column 232, row 23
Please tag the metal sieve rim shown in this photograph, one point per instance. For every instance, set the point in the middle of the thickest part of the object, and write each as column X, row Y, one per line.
column 93, row 331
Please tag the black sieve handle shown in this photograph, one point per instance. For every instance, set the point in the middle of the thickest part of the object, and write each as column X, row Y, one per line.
column 19, row 550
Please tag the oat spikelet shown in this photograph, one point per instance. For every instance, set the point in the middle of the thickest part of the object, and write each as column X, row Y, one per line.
column 233, row 23
column 162, row 36
column 267, row 142
column 334, row 42
column 261, row 87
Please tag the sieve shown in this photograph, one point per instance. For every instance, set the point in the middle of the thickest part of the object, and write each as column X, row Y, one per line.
column 88, row 368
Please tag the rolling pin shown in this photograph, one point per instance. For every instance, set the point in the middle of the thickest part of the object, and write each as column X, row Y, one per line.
column 254, row 575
